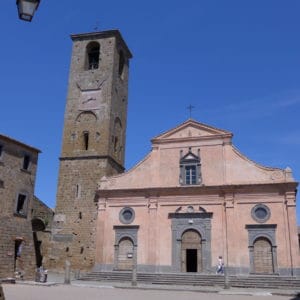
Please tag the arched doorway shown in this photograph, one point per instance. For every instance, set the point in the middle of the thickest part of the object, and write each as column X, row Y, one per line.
column 191, row 258
column 125, row 254
column 37, row 225
column 263, row 256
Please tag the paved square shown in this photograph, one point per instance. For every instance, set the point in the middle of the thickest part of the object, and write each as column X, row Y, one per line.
column 70, row 292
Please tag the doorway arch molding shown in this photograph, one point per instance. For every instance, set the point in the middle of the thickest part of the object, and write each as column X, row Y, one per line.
column 199, row 222
column 125, row 232
column 266, row 231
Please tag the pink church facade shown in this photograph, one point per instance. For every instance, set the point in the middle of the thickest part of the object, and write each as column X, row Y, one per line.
column 194, row 198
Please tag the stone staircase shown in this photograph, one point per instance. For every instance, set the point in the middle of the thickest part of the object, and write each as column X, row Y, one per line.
column 251, row 281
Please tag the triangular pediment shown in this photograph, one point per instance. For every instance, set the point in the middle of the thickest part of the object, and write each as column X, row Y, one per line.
column 190, row 156
column 191, row 129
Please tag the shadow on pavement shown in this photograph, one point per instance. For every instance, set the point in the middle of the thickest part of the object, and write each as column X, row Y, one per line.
column 297, row 297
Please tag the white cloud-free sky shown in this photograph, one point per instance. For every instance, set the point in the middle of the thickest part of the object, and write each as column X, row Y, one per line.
column 237, row 62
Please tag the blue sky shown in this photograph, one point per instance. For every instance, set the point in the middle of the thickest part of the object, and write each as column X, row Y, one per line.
column 237, row 62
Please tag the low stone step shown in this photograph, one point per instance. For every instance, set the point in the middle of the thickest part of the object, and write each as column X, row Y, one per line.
column 198, row 279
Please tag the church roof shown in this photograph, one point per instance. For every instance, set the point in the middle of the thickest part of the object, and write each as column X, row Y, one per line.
column 191, row 129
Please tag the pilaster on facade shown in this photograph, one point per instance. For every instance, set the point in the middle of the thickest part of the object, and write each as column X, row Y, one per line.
column 152, row 203
column 153, row 229
column 290, row 199
column 228, row 199
column 228, row 224
column 102, row 204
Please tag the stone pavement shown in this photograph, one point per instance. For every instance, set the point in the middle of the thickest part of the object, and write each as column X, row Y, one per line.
column 57, row 282
column 71, row 292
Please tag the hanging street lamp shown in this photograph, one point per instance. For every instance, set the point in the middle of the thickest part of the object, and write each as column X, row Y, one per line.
column 27, row 8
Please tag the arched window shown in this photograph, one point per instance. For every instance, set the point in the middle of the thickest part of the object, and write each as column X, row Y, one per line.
column 85, row 122
column 93, row 55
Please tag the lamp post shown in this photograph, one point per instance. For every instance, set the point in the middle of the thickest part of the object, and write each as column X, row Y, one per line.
column 27, row 8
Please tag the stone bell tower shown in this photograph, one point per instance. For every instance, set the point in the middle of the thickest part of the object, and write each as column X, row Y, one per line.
column 93, row 142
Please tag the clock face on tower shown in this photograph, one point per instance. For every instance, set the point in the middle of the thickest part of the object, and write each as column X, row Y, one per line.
column 90, row 100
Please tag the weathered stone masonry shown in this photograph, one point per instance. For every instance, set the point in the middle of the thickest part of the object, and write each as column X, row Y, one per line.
column 93, row 142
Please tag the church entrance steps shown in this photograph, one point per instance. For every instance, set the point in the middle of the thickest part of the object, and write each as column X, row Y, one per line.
column 251, row 281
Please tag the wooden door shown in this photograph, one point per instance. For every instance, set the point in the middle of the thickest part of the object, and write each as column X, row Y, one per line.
column 125, row 254
column 263, row 258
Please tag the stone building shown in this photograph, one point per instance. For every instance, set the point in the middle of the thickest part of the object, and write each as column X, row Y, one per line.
column 18, row 163
column 195, row 198
column 93, row 142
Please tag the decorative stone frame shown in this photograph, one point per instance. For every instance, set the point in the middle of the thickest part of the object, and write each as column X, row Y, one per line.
column 190, row 159
column 121, row 232
column 200, row 222
column 267, row 231
column 121, row 215
column 257, row 219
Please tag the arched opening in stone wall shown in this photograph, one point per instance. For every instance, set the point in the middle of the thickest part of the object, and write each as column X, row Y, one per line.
column 37, row 225
column 191, row 257
column 93, row 56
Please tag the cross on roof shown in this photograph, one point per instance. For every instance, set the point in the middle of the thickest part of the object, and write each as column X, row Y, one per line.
column 190, row 108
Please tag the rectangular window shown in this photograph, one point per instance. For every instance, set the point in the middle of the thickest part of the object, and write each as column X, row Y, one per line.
column 1, row 184
column 190, row 175
column 1, row 150
column 86, row 140
column 26, row 162
column 78, row 190
column 21, row 204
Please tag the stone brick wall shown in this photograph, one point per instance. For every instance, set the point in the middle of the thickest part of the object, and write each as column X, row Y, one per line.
column 15, row 220
column 16, row 228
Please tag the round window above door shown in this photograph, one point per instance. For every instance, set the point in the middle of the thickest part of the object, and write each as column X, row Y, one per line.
column 260, row 213
column 126, row 215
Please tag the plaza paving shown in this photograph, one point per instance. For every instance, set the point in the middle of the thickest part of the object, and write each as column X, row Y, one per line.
column 86, row 292
column 55, row 289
